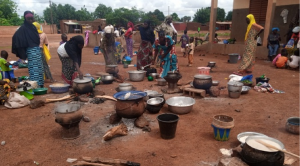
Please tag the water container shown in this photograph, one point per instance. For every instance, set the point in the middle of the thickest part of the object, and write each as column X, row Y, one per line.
column 233, row 58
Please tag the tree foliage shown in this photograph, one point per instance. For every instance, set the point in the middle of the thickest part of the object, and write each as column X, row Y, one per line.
column 203, row 15
column 186, row 19
column 159, row 15
column 122, row 16
column 229, row 16
column 83, row 15
column 175, row 17
column 8, row 14
column 102, row 11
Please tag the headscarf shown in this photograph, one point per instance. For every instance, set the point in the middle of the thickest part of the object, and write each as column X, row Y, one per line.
column 252, row 21
column 26, row 36
column 73, row 50
column 167, row 18
column 131, row 25
column 38, row 27
column 296, row 29
column 147, row 33
column 275, row 28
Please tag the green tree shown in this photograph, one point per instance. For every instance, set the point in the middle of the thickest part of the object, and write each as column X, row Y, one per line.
column 175, row 17
column 16, row 21
column 8, row 9
column 83, row 15
column 229, row 16
column 220, row 14
column 38, row 18
column 186, row 19
column 159, row 15
column 122, row 15
column 203, row 15
column 102, row 11
column 151, row 17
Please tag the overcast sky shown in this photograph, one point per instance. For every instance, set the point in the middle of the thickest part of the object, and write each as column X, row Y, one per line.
column 181, row 7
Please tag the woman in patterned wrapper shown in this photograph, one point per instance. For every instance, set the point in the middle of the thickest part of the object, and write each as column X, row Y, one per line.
column 248, row 58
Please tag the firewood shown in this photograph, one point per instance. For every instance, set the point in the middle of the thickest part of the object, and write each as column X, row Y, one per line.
column 118, row 130
column 84, row 163
column 107, row 97
column 104, row 160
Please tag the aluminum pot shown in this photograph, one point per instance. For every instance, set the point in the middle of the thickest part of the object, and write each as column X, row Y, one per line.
column 202, row 81
column 154, row 104
column 66, row 114
column 292, row 125
column 211, row 64
column 107, row 79
column 136, row 76
column 234, row 86
column 125, row 87
column 83, row 86
column 157, row 95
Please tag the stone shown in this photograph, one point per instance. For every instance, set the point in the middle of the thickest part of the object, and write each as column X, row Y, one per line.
column 214, row 91
column 232, row 161
column 141, row 122
column 114, row 119
column 3, row 143
column 86, row 119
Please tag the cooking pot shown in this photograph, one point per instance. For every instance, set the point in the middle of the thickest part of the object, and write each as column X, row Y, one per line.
column 211, row 64
column 111, row 69
column 107, row 79
column 68, row 114
column 202, row 81
column 83, row 86
column 136, row 76
column 125, row 87
column 157, row 95
column 132, row 107
column 235, row 86
column 256, row 157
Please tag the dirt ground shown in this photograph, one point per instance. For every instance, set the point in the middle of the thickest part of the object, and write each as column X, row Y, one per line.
column 33, row 135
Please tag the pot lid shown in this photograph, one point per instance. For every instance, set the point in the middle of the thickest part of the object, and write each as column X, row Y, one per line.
column 84, row 80
column 200, row 76
column 252, row 141
column 67, row 108
column 234, row 83
column 134, row 95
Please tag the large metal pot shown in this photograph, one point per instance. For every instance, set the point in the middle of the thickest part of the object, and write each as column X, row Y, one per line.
column 234, row 86
column 180, row 105
column 202, row 81
column 256, row 157
column 83, row 86
column 136, row 76
column 68, row 114
column 132, row 107
column 107, row 79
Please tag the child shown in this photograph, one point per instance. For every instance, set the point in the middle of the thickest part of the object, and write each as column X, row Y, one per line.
column 191, row 52
column 281, row 59
column 6, row 72
column 184, row 40
column 64, row 39
column 294, row 60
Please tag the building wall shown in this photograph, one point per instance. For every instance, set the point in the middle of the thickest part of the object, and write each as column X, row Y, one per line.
column 239, row 25
column 286, row 2
column 278, row 20
column 10, row 30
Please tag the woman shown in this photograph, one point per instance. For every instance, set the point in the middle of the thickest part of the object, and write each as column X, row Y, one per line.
column 70, row 55
column 128, row 38
column 5, row 88
column 248, row 58
column 144, row 55
column 166, row 26
column 26, row 45
column 273, row 43
column 108, row 46
column 164, row 47
column 44, row 41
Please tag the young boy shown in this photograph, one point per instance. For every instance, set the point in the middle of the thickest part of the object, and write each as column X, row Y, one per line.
column 64, row 39
column 281, row 59
column 184, row 40
column 294, row 60
column 6, row 72
column 191, row 52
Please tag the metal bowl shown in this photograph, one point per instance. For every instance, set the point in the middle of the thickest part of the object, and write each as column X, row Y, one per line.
column 244, row 135
column 180, row 105
column 215, row 83
column 245, row 89
column 125, row 88
column 107, row 77
column 154, row 75
column 155, row 101
column 136, row 76
column 292, row 125
column 161, row 82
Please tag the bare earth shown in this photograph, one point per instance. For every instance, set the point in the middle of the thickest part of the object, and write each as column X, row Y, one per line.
column 32, row 135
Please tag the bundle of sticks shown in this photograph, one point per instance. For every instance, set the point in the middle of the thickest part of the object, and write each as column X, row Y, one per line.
column 98, row 161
